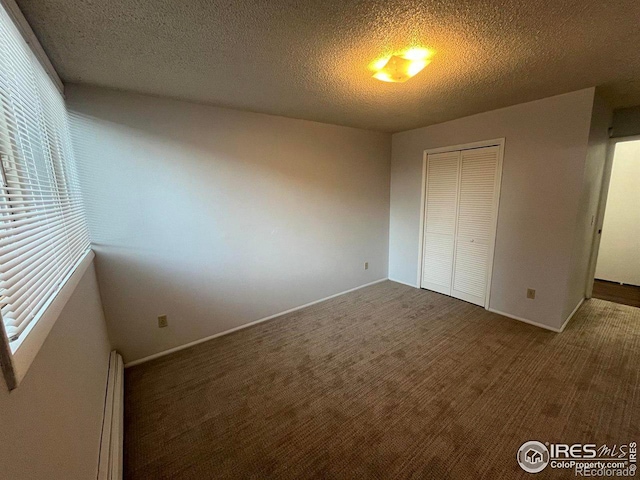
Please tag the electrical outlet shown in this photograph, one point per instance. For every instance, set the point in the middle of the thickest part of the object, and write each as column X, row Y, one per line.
column 162, row 321
column 531, row 293
column 366, row 265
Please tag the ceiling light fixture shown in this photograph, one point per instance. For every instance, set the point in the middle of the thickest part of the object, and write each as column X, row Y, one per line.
column 401, row 67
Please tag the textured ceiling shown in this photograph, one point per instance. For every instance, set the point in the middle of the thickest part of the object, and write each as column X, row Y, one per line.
column 309, row 59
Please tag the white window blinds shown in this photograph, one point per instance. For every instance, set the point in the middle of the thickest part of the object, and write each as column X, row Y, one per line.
column 43, row 233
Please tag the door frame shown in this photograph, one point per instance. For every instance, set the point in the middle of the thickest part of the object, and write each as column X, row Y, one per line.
column 497, row 142
column 602, row 207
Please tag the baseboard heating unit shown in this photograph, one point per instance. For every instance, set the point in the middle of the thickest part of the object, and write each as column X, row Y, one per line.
column 111, row 442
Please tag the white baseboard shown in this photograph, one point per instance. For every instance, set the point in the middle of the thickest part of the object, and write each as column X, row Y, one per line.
column 536, row 324
column 404, row 283
column 526, row 320
column 246, row 325
column 111, row 440
column 572, row 314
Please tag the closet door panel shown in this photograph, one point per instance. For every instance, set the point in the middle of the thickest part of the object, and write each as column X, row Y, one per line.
column 475, row 222
column 470, row 272
column 438, row 263
column 440, row 221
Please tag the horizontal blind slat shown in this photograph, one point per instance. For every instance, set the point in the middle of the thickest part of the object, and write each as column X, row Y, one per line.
column 22, row 261
column 13, row 313
column 13, row 229
column 17, row 208
column 9, row 249
column 28, row 292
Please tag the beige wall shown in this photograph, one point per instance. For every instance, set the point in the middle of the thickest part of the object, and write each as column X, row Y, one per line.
column 619, row 254
column 218, row 217
column 50, row 425
column 586, row 219
column 546, row 144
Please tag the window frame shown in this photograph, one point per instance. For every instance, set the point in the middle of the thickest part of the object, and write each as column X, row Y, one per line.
column 17, row 356
column 16, row 360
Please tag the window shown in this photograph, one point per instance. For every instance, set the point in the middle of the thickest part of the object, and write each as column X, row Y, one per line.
column 43, row 232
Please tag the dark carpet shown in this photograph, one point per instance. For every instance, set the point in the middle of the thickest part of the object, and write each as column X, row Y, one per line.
column 384, row 382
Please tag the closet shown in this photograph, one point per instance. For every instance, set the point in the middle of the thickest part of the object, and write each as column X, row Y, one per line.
column 460, row 212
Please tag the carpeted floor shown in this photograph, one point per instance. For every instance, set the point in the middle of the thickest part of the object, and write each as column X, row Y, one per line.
column 385, row 382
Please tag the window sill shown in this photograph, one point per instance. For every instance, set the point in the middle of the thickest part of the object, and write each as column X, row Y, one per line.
column 16, row 357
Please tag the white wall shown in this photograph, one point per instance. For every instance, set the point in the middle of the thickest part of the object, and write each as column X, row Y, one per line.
column 50, row 425
column 588, row 202
column 218, row 217
column 546, row 143
column 619, row 254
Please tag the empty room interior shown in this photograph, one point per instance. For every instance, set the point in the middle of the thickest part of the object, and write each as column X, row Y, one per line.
column 334, row 240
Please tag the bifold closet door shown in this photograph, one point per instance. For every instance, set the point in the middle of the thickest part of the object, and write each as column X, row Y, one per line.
column 475, row 225
column 440, row 221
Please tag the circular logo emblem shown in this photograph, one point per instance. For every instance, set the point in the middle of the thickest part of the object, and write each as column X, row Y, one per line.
column 533, row 456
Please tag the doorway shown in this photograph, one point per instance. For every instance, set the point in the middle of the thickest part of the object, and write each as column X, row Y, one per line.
column 617, row 270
